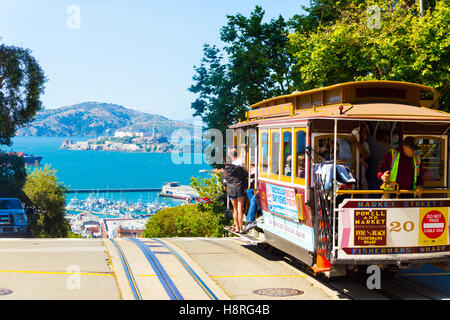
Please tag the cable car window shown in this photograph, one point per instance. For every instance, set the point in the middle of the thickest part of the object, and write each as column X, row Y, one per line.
column 238, row 141
column 251, row 147
column 324, row 149
column 432, row 154
column 275, row 152
column 264, row 152
column 300, row 138
column 287, row 154
column 244, row 148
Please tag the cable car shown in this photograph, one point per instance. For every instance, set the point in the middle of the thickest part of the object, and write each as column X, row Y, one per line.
column 320, row 193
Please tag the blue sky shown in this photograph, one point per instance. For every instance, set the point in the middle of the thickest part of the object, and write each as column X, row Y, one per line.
column 137, row 53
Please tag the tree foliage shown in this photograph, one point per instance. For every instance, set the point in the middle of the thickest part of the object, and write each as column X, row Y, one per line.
column 402, row 45
column 12, row 176
column 21, row 85
column 320, row 13
column 184, row 221
column 253, row 65
column 213, row 189
column 47, row 196
column 333, row 42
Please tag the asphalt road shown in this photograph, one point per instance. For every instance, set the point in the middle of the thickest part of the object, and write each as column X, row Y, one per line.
column 192, row 269
column 91, row 269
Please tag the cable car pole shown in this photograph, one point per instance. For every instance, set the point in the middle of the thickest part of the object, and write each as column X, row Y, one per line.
column 334, row 185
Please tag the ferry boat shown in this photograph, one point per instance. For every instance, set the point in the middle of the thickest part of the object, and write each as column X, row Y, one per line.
column 30, row 160
column 175, row 190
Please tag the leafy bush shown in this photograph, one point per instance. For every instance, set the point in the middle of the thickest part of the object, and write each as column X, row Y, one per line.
column 213, row 189
column 12, row 176
column 185, row 221
column 47, row 195
column 162, row 224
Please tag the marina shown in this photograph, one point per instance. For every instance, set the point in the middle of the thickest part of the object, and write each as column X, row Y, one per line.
column 96, row 216
column 109, row 207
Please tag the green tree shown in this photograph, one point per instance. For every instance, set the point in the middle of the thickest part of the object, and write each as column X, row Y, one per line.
column 213, row 189
column 402, row 45
column 253, row 65
column 12, row 176
column 198, row 222
column 47, row 195
column 320, row 13
column 21, row 85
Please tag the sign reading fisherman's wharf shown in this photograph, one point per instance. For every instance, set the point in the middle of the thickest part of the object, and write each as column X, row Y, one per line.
column 370, row 227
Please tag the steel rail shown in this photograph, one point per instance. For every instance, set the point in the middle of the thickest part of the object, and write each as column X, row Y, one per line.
column 194, row 275
column 128, row 272
column 160, row 272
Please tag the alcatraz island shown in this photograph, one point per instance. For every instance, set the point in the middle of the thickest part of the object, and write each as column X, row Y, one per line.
column 124, row 142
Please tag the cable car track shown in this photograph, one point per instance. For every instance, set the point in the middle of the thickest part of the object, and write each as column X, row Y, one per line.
column 171, row 289
column 191, row 272
column 353, row 286
column 160, row 272
column 128, row 272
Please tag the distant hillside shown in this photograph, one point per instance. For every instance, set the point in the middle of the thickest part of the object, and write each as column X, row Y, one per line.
column 95, row 118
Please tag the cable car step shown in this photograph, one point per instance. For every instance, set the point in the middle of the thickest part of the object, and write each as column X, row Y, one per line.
column 246, row 237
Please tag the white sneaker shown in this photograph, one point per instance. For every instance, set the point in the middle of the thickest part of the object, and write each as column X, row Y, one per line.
column 249, row 226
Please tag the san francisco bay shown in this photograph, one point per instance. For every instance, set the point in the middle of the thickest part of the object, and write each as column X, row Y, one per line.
column 108, row 170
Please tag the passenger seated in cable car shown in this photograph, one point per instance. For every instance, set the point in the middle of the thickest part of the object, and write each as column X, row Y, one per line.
column 287, row 165
column 325, row 149
column 301, row 165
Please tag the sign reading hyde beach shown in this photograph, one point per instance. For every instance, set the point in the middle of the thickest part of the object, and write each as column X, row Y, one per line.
column 205, row 146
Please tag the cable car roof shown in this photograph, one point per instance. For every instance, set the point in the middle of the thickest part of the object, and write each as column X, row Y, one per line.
column 367, row 112
column 348, row 86
column 359, row 100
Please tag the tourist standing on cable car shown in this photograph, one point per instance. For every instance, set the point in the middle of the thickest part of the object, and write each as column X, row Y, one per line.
column 402, row 166
column 236, row 183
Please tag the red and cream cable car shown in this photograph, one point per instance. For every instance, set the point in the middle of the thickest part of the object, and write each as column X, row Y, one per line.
column 300, row 142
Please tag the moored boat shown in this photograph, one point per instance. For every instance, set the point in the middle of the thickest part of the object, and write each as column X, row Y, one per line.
column 30, row 160
column 175, row 190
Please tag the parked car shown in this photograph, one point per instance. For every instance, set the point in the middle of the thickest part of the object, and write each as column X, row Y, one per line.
column 13, row 219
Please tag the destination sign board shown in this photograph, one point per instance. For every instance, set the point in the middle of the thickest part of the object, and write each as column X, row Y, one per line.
column 281, row 109
column 370, row 227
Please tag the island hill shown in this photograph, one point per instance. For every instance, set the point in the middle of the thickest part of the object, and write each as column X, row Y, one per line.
column 120, row 128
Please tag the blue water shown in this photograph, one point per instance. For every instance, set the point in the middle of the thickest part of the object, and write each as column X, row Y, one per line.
column 108, row 170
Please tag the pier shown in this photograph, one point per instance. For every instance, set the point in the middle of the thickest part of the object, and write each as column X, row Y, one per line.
column 114, row 190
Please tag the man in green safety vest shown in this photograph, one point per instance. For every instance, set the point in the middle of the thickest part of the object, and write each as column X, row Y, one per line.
column 402, row 168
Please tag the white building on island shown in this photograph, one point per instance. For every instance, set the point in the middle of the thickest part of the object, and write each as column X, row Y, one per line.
column 123, row 134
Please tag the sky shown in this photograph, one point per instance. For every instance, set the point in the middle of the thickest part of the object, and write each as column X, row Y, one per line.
column 137, row 53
